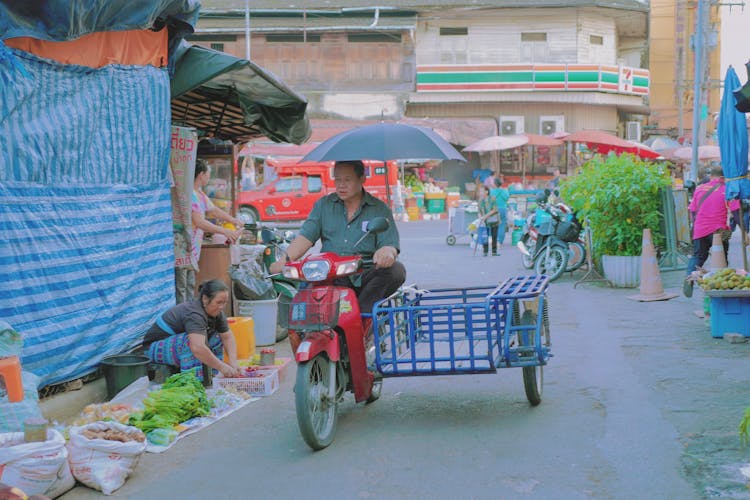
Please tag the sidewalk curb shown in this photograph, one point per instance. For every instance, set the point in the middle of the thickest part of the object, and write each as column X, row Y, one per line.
column 66, row 406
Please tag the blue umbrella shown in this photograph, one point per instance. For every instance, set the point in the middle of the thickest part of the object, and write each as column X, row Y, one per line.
column 733, row 141
column 385, row 141
column 733, row 144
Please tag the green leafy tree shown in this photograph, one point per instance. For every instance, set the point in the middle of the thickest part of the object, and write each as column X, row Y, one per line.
column 619, row 197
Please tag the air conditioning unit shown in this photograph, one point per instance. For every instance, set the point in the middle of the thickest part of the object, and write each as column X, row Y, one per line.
column 548, row 125
column 511, row 125
column 633, row 131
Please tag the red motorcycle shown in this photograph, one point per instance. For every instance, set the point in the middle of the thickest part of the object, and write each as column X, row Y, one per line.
column 331, row 339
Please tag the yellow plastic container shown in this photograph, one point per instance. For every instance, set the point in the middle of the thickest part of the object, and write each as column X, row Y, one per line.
column 243, row 329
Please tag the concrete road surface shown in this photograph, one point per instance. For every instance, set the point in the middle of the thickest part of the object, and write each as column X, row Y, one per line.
column 639, row 402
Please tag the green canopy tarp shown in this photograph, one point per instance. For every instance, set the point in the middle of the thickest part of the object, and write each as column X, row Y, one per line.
column 234, row 99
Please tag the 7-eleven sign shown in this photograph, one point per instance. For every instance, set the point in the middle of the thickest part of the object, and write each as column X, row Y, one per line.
column 626, row 79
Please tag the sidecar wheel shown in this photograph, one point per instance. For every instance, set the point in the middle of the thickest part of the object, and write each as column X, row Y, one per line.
column 533, row 376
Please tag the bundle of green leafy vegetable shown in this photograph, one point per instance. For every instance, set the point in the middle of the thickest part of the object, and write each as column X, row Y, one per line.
column 181, row 398
column 188, row 379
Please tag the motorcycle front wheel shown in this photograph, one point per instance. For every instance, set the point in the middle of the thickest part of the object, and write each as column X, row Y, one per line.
column 552, row 262
column 528, row 260
column 317, row 413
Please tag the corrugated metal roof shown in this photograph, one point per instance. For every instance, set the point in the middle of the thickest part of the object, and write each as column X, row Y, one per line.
column 415, row 5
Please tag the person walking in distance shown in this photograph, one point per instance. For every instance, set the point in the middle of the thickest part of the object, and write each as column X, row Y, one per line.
column 708, row 210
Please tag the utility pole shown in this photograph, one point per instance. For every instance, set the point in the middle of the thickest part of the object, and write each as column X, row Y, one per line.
column 247, row 29
column 698, row 44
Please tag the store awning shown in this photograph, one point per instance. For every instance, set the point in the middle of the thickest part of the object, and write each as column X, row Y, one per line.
column 234, row 99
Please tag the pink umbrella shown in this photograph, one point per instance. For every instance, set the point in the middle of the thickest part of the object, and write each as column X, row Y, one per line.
column 498, row 143
column 705, row 152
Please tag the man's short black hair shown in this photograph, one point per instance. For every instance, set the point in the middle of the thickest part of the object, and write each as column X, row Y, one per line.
column 359, row 167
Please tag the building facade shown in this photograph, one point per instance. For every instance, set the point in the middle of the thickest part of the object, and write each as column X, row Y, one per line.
column 672, row 62
column 499, row 67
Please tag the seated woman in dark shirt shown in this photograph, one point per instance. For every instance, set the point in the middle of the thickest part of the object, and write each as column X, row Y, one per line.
column 193, row 333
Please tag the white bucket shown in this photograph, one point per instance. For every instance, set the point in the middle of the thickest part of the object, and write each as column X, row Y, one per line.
column 264, row 314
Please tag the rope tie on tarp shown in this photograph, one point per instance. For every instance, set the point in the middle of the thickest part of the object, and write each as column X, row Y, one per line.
column 746, row 176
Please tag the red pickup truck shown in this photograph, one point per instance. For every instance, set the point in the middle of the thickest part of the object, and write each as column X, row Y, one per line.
column 291, row 196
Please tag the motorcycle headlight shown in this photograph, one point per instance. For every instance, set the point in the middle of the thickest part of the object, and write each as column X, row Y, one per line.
column 316, row 270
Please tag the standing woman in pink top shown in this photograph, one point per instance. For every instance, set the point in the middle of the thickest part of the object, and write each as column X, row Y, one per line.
column 709, row 210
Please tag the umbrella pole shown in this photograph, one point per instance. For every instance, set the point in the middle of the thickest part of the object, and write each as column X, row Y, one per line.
column 387, row 187
column 523, row 169
column 743, row 233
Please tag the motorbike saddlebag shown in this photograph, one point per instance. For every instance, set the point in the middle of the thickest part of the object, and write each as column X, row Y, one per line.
column 315, row 308
column 546, row 228
column 568, row 231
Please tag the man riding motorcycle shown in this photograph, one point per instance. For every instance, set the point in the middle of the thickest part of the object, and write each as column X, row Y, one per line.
column 339, row 220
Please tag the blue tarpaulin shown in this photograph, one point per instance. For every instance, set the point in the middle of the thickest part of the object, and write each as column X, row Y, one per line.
column 86, row 258
column 732, row 132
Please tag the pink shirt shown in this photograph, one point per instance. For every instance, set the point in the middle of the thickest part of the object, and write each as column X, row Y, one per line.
column 712, row 215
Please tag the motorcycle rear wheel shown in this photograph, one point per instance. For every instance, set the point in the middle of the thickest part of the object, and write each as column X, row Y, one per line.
column 554, row 264
column 317, row 414
column 577, row 255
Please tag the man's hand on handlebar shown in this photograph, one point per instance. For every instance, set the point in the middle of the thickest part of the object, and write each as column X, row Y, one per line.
column 384, row 257
column 276, row 267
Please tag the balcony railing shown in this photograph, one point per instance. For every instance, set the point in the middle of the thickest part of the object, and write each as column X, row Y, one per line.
column 532, row 77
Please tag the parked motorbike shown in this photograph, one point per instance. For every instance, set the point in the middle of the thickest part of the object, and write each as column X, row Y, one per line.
column 265, row 245
column 576, row 249
column 335, row 351
column 550, row 253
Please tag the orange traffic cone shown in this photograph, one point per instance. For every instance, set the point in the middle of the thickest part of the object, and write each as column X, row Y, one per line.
column 651, row 287
column 718, row 259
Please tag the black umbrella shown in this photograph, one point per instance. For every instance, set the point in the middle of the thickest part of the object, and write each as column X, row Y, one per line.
column 384, row 142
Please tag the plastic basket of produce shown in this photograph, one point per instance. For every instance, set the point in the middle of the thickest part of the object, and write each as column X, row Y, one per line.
column 257, row 383
column 281, row 365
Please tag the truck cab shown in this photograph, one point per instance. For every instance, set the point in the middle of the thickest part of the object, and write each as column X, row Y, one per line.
column 291, row 196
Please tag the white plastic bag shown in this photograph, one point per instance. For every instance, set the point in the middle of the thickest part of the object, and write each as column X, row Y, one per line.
column 39, row 468
column 100, row 463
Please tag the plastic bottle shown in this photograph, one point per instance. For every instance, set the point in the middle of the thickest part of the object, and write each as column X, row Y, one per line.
column 243, row 329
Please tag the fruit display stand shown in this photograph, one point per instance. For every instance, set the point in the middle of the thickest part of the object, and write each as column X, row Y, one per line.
column 730, row 312
column 729, row 292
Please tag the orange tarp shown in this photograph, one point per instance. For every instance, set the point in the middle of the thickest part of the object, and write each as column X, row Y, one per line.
column 134, row 47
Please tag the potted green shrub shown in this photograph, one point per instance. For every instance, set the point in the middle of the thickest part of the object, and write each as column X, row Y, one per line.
column 618, row 196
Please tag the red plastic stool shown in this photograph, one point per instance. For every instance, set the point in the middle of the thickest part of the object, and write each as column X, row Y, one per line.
column 10, row 371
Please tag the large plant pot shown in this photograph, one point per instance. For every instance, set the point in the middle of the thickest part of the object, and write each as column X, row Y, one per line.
column 623, row 271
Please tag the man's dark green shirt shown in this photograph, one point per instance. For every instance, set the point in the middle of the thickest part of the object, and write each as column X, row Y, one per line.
column 328, row 223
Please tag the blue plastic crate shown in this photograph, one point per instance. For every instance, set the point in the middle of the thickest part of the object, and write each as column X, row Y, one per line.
column 730, row 315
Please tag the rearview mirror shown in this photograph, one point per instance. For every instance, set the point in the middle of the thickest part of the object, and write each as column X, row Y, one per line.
column 266, row 235
column 374, row 226
column 377, row 225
